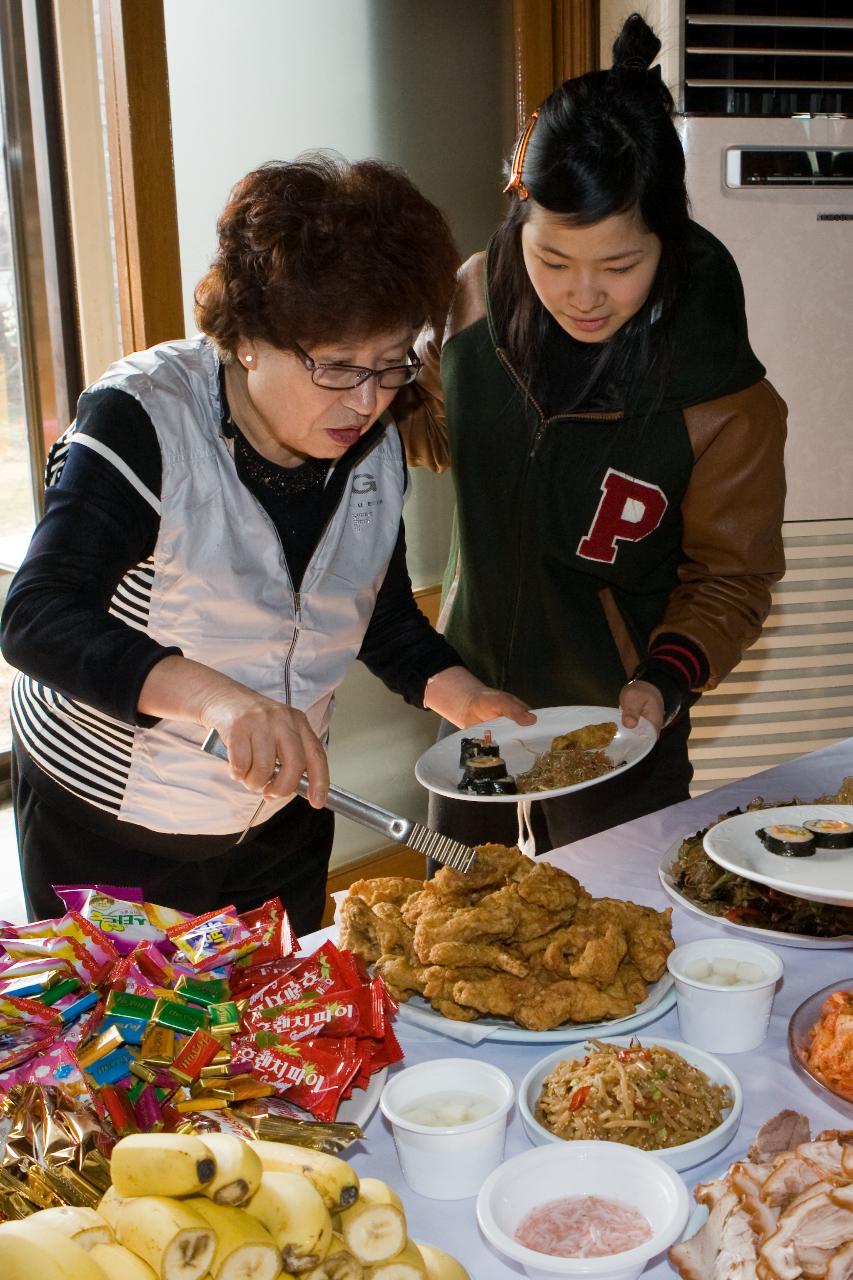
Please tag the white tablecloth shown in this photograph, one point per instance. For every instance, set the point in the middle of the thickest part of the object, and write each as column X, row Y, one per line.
column 623, row 862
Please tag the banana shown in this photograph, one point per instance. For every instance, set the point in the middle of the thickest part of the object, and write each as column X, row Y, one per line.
column 408, row 1264
column 118, row 1263
column 295, row 1216
column 161, row 1164
column 245, row 1250
column 84, row 1226
column 336, row 1181
column 175, row 1241
column 440, row 1265
column 238, row 1169
column 374, row 1228
column 338, row 1264
column 109, row 1206
column 30, row 1251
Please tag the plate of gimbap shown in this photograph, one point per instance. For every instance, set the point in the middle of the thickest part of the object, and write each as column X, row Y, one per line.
column 805, row 850
column 568, row 748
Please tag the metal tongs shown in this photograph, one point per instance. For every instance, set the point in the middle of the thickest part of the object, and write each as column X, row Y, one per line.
column 423, row 840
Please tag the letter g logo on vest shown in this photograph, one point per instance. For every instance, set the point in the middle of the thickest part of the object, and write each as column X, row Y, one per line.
column 363, row 482
column 629, row 511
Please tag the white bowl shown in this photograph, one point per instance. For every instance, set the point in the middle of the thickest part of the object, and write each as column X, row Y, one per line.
column 724, row 1019
column 608, row 1169
column 683, row 1156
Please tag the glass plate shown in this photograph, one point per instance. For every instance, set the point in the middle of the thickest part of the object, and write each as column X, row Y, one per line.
column 825, row 876
column 660, row 999
column 777, row 936
column 438, row 769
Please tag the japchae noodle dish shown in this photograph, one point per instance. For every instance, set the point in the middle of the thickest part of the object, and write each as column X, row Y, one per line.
column 572, row 758
column 648, row 1097
column 723, row 893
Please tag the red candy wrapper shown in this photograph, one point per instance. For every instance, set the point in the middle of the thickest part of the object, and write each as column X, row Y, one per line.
column 328, row 970
column 314, row 1073
column 271, row 930
column 360, row 1012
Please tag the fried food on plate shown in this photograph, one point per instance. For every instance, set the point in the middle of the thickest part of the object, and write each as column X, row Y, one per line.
column 587, row 738
column 516, row 939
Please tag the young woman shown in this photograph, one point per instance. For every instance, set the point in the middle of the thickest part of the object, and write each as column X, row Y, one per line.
column 616, row 452
column 222, row 538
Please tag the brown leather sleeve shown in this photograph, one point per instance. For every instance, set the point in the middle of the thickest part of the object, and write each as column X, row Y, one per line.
column 418, row 410
column 732, row 513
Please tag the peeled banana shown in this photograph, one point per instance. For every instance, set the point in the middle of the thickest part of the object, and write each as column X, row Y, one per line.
column 374, row 1228
column 293, row 1212
column 338, row 1264
column 84, row 1226
column 336, row 1181
column 161, row 1164
column 408, row 1264
column 118, row 1263
column 174, row 1240
column 245, row 1250
column 238, row 1169
column 30, row 1251
column 440, row 1265
column 109, row 1205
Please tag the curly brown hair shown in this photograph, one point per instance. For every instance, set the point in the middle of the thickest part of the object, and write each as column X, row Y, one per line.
column 318, row 249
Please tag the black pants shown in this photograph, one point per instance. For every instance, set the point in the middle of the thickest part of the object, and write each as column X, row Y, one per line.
column 287, row 856
column 661, row 779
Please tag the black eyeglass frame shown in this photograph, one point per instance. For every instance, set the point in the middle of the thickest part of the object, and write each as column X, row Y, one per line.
column 412, row 366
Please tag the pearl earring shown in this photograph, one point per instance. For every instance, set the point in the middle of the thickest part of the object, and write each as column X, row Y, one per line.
column 248, row 359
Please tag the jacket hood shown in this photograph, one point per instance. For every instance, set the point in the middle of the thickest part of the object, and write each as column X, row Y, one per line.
column 710, row 351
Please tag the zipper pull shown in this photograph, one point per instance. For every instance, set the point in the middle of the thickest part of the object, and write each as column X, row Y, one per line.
column 297, row 603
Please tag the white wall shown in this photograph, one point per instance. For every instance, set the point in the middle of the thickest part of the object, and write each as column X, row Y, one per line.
column 427, row 86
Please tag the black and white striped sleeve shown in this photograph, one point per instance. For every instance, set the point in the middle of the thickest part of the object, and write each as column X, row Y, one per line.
column 75, row 613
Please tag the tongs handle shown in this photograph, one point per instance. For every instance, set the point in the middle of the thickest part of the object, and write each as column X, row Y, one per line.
column 338, row 800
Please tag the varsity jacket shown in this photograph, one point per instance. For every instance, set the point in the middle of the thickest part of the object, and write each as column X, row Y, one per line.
column 217, row 589
column 583, row 538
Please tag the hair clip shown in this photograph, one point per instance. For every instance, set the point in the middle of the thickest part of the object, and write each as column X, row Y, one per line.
column 515, row 184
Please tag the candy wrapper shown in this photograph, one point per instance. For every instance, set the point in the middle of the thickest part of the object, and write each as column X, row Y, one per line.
column 314, row 1073
column 326, row 971
column 216, row 938
column 121, row 914
column 55, row 1150
column 360, row 1012
column 272, row 933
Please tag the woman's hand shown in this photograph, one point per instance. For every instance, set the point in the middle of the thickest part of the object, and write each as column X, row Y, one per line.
column 639, row 698
column 258, row 732
column 461, row 698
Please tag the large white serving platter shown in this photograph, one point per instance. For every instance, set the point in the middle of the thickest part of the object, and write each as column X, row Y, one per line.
column 825, row 876
column 660, row 998
column 360, row 1106
column 776, row 936
column 439, row 770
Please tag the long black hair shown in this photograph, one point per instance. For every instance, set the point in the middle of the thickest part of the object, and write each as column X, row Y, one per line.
column 603, row 144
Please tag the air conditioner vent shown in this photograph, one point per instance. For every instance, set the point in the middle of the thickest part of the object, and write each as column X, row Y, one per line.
column 768, row 57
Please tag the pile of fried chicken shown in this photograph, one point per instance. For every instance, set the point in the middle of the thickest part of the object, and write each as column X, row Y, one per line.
column 785, row 1211
column 511, row 938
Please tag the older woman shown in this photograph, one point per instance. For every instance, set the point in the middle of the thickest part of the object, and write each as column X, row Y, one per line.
column 222, row 537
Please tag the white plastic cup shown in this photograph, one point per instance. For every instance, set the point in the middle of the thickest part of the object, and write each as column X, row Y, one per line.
column 448, row 1162
column 720, row 1018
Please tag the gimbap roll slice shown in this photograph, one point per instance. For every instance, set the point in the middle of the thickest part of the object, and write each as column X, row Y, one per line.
column 830, row 833
column 477, row 747
column 789, row 841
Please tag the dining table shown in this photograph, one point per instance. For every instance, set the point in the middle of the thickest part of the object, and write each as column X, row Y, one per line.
column 623, row 862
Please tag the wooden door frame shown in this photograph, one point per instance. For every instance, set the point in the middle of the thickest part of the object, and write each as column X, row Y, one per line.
column 553, row 40
column 136, row 81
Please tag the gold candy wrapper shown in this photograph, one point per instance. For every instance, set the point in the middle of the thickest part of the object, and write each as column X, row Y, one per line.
column 54, row 1143
column 272, row 1120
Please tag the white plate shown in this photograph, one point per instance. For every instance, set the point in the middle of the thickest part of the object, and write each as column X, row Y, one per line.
column 660, row 999
column 687, row 1154
column 439, row 770
column 776, row 936
column 358, row 1108
column 825, row 876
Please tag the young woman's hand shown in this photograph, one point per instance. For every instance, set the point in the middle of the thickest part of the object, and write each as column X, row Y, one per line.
column 461, row 698
column 639, row 698
column 259, row 732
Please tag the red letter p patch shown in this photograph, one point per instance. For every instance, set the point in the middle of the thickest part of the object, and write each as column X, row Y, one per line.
column 628, row 511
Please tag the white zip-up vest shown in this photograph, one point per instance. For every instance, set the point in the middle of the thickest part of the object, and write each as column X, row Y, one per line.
column 222, row 593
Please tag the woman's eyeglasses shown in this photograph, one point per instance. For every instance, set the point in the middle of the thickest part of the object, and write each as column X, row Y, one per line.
column 341, row 377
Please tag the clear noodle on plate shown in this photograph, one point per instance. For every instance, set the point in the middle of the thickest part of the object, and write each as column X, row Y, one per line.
column 648, row 1097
